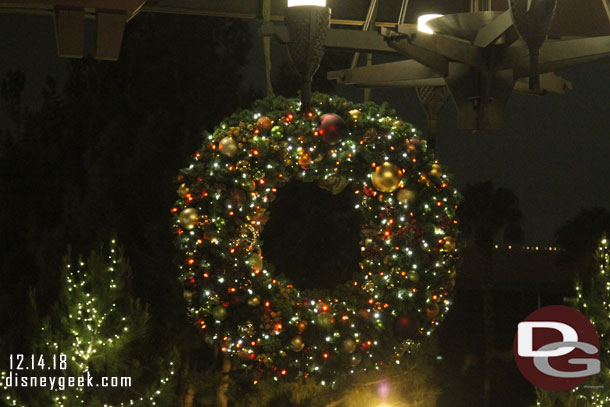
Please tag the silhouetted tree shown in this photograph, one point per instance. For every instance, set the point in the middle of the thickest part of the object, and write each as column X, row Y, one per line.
column 101, row 154
column 579, row 236
column 489, row 215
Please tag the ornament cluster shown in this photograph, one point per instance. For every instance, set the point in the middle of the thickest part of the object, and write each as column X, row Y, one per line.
column 408, row 238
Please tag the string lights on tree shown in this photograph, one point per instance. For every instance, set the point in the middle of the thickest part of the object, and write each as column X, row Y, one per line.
column 93, row 320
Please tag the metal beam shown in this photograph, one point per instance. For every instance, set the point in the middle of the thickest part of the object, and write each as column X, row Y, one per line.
column 557, row 55
column 70, row 32
column 413, row 42
column 349, row 40
column 549, row 82
column 365, row 41
column 480, row 97
column 369, row 21
column 394, row 74
column 489, row 34
column 110, row 28
column 88, row 6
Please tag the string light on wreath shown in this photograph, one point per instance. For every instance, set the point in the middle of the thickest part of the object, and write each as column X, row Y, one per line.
column 408, row 238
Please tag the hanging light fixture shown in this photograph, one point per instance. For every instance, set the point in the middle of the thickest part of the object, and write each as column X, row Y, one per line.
column 308, row 23
column 294, row 3
column 422, row 21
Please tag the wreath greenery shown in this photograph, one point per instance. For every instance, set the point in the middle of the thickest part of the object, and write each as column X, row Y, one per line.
column 403, row 287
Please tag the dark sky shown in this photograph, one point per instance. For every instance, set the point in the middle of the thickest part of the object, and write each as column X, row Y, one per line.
column 554, row 151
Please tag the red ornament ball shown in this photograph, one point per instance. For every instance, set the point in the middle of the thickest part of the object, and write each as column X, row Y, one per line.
column 332, row 128
column 406, row 326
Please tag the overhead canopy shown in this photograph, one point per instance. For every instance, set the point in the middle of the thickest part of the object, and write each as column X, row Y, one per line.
column 574, row 17
column 69, row 16
column 588, row 18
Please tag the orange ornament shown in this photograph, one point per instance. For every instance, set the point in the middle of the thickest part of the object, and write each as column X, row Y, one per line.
column 305, row 160
column 264, row 123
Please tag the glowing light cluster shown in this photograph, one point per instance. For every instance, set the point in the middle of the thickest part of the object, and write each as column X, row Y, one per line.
column 422, row 23
column 294, row 3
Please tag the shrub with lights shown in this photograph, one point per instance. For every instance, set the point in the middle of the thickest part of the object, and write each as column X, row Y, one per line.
column 91, row 329
column 408, row 238
column 594, row 302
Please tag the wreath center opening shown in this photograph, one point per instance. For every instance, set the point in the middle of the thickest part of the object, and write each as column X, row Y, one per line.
column 313, row 236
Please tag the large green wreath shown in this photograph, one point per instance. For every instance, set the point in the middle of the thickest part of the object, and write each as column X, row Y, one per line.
column 407, row 270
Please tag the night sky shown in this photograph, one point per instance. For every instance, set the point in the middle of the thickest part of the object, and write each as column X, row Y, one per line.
column 553, row 152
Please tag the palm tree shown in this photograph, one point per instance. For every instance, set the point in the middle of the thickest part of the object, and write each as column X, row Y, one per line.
column 579, row 236
column 489, row 215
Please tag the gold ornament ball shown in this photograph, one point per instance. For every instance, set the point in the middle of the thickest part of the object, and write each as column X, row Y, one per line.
column 406, row 196
column 188, row 218
column 254, row 301
column 228, row 147
column 436, row 171
column 301, row 326
column 296, row 344
column 183, row 191
column 386, row 177
column 219, row 313
column 264, row 123
column 349, row 346
column 356, row 359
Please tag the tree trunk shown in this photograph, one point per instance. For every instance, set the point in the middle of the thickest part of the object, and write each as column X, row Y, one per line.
column 223, row 387
column 189, row 397
column 184, row 386
column 488, row 324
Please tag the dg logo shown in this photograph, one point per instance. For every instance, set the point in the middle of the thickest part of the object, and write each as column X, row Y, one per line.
column 557, row 348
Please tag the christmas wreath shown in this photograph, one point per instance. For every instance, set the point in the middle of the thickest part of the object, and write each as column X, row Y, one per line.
column 408, row 238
